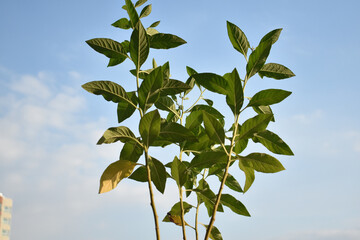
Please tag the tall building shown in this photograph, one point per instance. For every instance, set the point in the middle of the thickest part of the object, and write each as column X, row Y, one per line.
column 5, row 217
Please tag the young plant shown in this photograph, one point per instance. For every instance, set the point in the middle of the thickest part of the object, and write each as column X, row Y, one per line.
column 200, row 131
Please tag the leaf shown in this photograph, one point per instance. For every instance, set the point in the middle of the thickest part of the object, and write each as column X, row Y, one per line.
column 114, row 173
column 208, row 159
column 194, row 119
column 235, row 94
column 262, row 162
column 140, row 174
column 212, row 82
column 249, row 176
column 172, row 87
column 165, row 41
column 175, row 213
column 240, row 145
column 235, row 205
column 178, row 172
column 158, row 174
column 203, row 144
column 109, row 90
column 151, row 31
column 139, row 3
column 258, row 58
column 268, row 97
column 276, row 71
column 115, row 61
column 208, row 109
column 272, row 142
column 146, row 11
column 208, row 197
column 155, row 24
column 215, row 233
column 254, row 125
column 238, row 38
column 114, row 134
column 165, row 103
column 208, row 101
column 213, row 128
column 149, row 127
column 122, row 23
column 149, row 88
column 125, row 109
column 177, row 133
column 272, row 36
column 131, row 151
column 263, row 110
column 230, row 182
column 110, row 48
column 134, row 18
column 139, row 45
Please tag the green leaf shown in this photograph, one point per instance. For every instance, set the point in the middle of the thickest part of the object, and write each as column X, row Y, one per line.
column 238, row 39
column 172, row 87
column 268, row 97
column 146, row 11
column 230, row 182
column 131, row 151
column 158, row 174
column 235, row 205
column 175, row 132
column 122, row 23
column 212, row 82
column 240, row 145
column 175, row 213
column 258, row 58
column 262, row 162
column 208, row 197
column 149, row 127
column 203, row 144
column 213, row 128
column 109, row 90
column 178, row 172
column 149, row 88
column 151, row 31
column 276, row 71
column 263, row 110
column 155, row 24
column 134, row 17
column 114, row 134
column 235, row 95
column 110, row 48
column 165, row 41
column 272, row 142
column 166, row 104
column 272, row 36
column 139, row 3
column 208, row 159
column 208, row 101
column 194, row 119
column 125, row 109
column 140, row 174
column 254, row 125
column 114, row 173
column 215, row 233
column 249, row 176
column 139, row 45
column 190, row 71
column 115, row 61
column 208, row 109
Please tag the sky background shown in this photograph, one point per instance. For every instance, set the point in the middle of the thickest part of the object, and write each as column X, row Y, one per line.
column 50, row 165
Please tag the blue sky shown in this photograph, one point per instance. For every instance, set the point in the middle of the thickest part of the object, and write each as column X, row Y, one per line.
column 50, row 165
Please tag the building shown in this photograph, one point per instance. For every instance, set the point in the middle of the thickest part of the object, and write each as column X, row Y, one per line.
column 5, row 217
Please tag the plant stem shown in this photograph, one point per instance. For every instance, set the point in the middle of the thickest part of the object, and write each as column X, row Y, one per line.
column 152, row 203
column 218, row 197
column 182, row 212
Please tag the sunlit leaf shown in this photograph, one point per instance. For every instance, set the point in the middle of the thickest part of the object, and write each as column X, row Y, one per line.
column 262, row 162
column 122, row 23
column 125, row 109
column 235, row 205
column 167, row 104
column 235, row 95
column 155, row 24
column 139, row 3
column 114, row 173
column 272, row 36
column 213, row 128
column 254, row 125
column 268, row 97
column 178, row 171
column 257, row 58
column 238, row 38
column 264, row 110
column 139, row 45
column 273, row 142
column 212, row 82
column 165, row 41
column 158, row 174
column 276, row 71
column 249, row 176
column 134, row 17
column 149, row 127
column 114, row 134
column 230, row 182
column 146, row 11
column 215, row 233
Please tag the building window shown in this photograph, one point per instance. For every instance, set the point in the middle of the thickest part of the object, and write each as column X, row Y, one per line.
column 7, row 209
column 5, row 232
column 7, row 221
